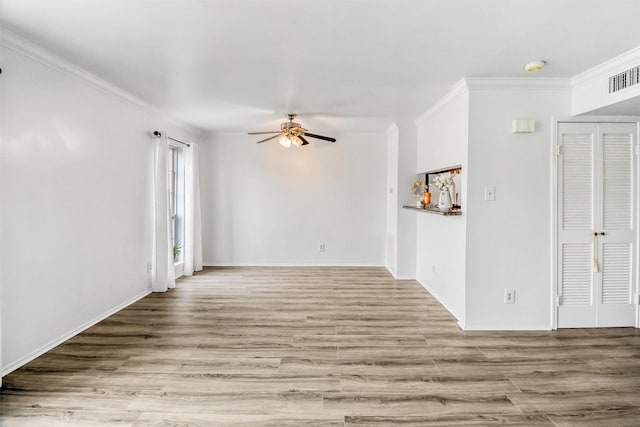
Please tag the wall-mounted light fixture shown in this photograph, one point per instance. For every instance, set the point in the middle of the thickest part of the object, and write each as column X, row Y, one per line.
column 523, row 125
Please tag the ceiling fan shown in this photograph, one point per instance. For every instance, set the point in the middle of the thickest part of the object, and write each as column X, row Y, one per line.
column 291, row 133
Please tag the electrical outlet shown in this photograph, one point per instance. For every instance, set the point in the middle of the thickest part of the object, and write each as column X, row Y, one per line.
column 322, row 247
column 489, row 193
column 149, row 267
column 433, row 268
column 509, row 296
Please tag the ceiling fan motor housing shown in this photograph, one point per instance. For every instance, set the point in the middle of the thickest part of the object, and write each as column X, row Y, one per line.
column 289, row 125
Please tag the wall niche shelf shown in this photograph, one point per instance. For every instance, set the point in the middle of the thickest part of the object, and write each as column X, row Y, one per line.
column 427, row 177
column 435, row 211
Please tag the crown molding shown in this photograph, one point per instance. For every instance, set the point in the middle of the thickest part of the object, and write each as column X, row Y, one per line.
column 619, row 63
column 459, row 88
column 391, row 129
column 526, row 83
column 493, row 83
column 32, row 51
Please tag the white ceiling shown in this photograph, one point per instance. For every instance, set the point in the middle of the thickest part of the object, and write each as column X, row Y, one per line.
column 239, row 65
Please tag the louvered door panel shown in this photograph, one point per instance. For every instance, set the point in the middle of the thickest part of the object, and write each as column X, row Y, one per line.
column 617, row 153
column 616, row 273
column 597, row 224
column 577, row 182
column 576, row 278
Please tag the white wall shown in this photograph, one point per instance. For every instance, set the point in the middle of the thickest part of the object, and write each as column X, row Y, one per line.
column 509, row 239
column 392, row 198
column 264, row 204
column 590, row 89
column 406, row 231
column 75, row 221
column 441, row 241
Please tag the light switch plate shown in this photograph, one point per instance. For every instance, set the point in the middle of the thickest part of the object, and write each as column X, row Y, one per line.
column 509, row 296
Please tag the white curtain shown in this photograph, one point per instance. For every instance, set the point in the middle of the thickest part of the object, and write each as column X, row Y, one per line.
column 192, row 216
column 163, row 275
column 0, row 352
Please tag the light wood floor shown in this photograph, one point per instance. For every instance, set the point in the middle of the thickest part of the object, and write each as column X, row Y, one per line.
column 320, row 347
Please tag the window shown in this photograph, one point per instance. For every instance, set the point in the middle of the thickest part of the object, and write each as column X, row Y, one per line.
column 175, row 166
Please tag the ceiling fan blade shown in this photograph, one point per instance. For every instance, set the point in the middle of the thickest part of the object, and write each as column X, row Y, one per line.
column 266, row 139
column 326, row 138
column 304, row 141
column 262, row 133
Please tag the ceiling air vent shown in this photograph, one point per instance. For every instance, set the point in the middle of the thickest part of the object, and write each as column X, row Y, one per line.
column 624, row 79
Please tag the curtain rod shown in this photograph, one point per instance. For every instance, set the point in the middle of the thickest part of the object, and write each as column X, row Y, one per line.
column 158, row 134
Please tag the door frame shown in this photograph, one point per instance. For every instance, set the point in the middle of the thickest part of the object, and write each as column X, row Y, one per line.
column 553, row 191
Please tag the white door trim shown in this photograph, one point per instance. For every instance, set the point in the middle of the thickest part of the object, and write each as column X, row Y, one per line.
column 637, row 260
column 553, row 191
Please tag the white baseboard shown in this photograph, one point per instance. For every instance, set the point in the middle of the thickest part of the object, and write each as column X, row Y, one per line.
column 214, row 264
column 51, row 344
column 461, row 322
column 491, row 327
column 393, row 273
column 502, row 327
column 395, row 276
column 404, row 278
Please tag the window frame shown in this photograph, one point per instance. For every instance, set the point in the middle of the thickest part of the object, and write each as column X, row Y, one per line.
column 176, row 197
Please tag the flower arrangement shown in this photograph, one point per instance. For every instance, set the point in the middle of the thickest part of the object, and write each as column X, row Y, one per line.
column 443, row 181
column 418, row 188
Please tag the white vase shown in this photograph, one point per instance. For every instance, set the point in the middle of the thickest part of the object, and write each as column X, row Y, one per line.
column 444, row 204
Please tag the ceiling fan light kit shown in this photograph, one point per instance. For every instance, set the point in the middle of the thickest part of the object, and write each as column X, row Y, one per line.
column 286, row 141
column 292, row 133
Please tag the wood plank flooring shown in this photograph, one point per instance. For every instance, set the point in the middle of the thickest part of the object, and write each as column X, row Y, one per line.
column 320, row 347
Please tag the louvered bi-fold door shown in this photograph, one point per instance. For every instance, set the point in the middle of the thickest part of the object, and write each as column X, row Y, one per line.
column 597, row 224
column 576, row 212
column 617, row 280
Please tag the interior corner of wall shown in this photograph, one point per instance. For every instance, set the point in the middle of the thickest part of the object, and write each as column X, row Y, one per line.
column 391, row 271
